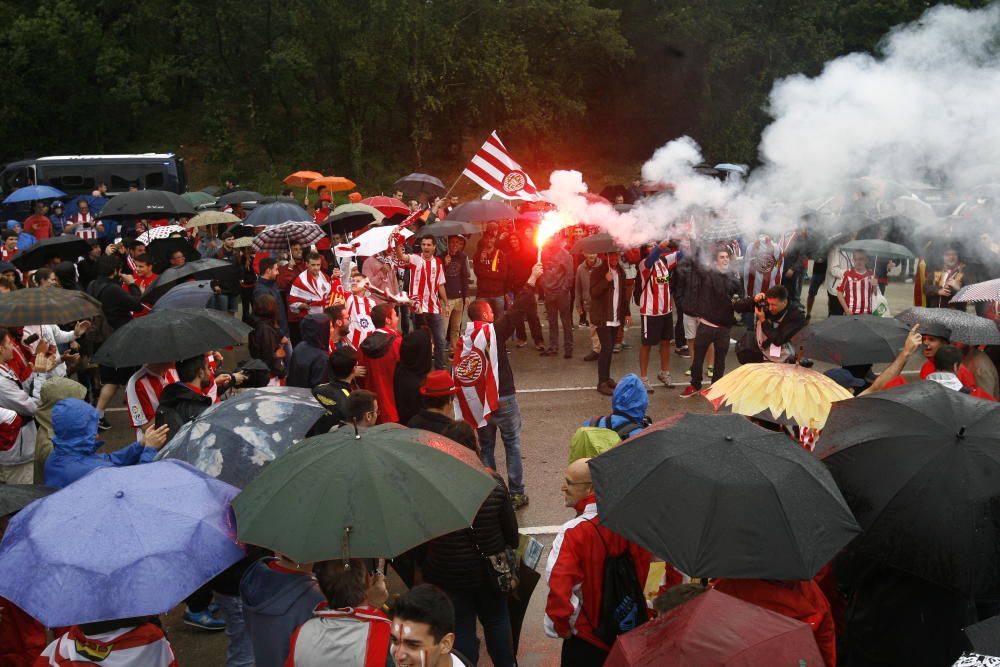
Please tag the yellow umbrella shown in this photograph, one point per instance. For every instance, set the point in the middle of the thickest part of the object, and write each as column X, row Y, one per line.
column 791, row 393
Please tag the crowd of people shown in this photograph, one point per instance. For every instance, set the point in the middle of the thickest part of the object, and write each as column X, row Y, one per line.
column 417, row 335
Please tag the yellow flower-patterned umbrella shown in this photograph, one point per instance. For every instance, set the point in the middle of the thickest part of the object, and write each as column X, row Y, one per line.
column 790, row 393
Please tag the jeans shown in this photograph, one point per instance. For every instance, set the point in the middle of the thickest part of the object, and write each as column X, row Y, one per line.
column 794, row 285
column 507, row 418
column 435, row 322
column 606, row 335
column 717, row 337
column 534, row 324
column 227, row 303
column 240, row 651
column 680, row 340
column 557, row 308
column 491, row 609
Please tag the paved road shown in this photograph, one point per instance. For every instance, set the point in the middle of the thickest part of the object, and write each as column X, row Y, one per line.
column 555, row 396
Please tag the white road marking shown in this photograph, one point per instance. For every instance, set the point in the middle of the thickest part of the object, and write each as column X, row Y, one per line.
column 539, row 530
column 543, row 390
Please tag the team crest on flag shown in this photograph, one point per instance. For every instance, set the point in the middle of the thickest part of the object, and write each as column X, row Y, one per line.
column 476, row 373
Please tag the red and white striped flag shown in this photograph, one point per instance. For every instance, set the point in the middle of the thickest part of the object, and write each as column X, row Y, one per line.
column 477, row 373
column 493, row 168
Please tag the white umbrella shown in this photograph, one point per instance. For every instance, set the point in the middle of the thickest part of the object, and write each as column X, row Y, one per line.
column 374, row 241
column 160, row 233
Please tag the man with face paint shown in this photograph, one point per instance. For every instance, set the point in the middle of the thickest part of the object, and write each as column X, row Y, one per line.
column 423, row 630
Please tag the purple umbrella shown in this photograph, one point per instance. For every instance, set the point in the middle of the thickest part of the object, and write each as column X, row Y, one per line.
column 120, row 542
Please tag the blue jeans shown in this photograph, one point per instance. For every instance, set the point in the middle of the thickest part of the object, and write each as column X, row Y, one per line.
column 240, row 651
column 227, row 303
column 491, row 609
column 507, row 418
column 435, row 322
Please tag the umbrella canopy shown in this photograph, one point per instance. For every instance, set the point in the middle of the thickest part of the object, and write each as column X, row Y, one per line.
column 160, row 233
column 274, row 214
column 37, row 255
column 375, row 495
column 207, row 218
column 348, row 218
column 162, row 249
column 984, row 636
column 879, row 248
column 481, row 211
column 717, row 629
column 918, row 464
column 448, row 227
column 595, row 244
column 977, row 660
column 964, row 327
column 376, row 240
column 200, row 269
column 170, row 335
column 238, row 197
column 415, row 183
column 120, row 542
column 15, row 497
column 300, row 179
column 147, row 204
column 852, row 340
column 333, row 183
column 387, row 206
column 46, row 306
column 782, row 393
column 96, row 204
column 978, row 292
column 623, row 208
column 196, row 199
column 195, row 294
column 235, row 439
column 718, row 496
column 280, row 237
column 243, row 241
column 33, row 193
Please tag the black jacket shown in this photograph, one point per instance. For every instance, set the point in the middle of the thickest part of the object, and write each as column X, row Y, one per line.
column 180, row 404
column 711, row 295
column 263, row 342
column 524, row 303
column 601, row 293
column 415, row 361
column 309, row 364
column 428, row 420
column 453, row 561
column 777, row 329
column 117, row 303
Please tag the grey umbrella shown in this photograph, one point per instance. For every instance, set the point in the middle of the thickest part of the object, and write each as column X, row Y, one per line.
column 415, row 183
column 195, row 294
column 238, row 197
column 448, row 227
column 964, row 327
column 482, row 210
column 879, row 248
column 275, row 214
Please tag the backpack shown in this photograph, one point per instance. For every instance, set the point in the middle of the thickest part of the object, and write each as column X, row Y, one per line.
column 624, row 429
column 589, row 441
column 623, row 603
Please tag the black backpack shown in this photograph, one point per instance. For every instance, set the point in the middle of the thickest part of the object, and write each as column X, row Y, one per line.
column 623, row 604
column 624, row 429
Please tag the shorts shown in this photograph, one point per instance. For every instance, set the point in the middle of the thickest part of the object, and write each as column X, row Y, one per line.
column 118, row 376
column 818, row 278
column 657, row 329
column 690, row 326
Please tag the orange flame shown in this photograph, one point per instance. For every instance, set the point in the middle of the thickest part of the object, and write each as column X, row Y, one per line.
column 552, row 222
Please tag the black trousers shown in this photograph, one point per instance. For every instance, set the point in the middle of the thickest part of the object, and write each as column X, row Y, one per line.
column 579, row 653
column 606, row 335
column 717, row 337
column 833, row 305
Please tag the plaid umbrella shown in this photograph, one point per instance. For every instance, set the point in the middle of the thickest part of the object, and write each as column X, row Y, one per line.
column 160, row 233
column 964, row 327
column 212, row 218
column 985, row 291
column 46, row 306
column 280, row 237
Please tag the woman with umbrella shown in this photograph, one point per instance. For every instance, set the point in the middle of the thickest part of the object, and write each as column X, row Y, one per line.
column 52, row 335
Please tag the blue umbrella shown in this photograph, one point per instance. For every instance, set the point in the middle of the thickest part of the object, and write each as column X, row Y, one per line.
column 33, row 193
column 275, row 214
column 195, row 294
column 120, row 542
column 96, row 204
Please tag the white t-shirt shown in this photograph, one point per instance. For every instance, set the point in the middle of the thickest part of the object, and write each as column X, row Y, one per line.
column 616, row 289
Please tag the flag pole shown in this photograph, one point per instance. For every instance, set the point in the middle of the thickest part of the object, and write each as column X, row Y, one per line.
column 452, row 186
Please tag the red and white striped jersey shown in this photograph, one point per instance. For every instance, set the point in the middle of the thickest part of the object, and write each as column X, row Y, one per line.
column 655, row 299
column 425, row 276
column 314, row 292
column 144, row 645
column 86, row 225
column 142, row 394
column 761, row 266
column 858, row 290
column 359, row 312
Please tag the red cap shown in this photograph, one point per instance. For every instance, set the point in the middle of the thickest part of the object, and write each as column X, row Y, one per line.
column 438, row 383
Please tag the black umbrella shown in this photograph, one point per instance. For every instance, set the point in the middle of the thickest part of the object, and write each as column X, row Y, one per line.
column 147, row 204
column 448, row 227
column 595, row 244
column 964, row 327
column 718, row 496
column 66, row 248
column 15, row 497
column 349, row 218
column 415, row 183
column 482, row 210
column 275, row 214
column 170, row 335
column 238, row 197
column 200, row 269
column 919, row 466
column 212, row 190
column 852, row 340
column 162, row 249
column 234, row 440
column 46, row 306
column 984, row 636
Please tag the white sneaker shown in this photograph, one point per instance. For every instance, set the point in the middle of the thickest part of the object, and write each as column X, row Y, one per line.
column 645, row 384
column 664, row 377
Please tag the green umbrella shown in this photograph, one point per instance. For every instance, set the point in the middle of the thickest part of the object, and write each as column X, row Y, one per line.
column 375, row 495
column 196, row 199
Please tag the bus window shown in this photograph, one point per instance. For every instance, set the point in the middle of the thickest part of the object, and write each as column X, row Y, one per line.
column 70, row 179
column 121, row 176
column 15, row 178
column 155, row 179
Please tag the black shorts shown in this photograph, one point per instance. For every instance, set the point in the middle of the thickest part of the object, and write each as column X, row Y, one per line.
column 118, row 376
column 657, row 329
column 818, row 279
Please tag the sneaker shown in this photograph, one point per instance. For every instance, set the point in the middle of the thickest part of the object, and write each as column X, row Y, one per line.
column 203, row 621
column 617, row 348
column 908, row 281
column 518, row 500
column 645, row 384
column 213, row 608
column 540, row 347
column 591, row 356
column 626, row 346
column 709, row 371
column 606, row 389
column 521, row 343
column 689, row 391
column 547, row 353
column 664, row 377
column 688, row 372
column 683, row 352
column 103, row 424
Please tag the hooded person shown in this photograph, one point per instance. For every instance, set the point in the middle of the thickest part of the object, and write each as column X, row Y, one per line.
column 278, row 596
column 379, row 356
column 308, row 366
column 53, row 391
column 415, row 361
column 66, row 273
column 628, row 408
column 75, row 444
column 182, row 401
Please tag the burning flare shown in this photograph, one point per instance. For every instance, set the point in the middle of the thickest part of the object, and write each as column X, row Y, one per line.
column 552, row 222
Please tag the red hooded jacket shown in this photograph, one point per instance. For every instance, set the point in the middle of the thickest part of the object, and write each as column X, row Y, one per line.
column 380, row 356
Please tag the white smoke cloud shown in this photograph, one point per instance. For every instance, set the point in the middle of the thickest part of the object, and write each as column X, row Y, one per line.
column 923, row 111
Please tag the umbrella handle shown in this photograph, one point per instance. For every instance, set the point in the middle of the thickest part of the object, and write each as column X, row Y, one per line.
column 345, row 547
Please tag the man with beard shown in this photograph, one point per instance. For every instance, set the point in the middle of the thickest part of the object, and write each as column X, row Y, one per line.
column 182, row 401
column 940, row 286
